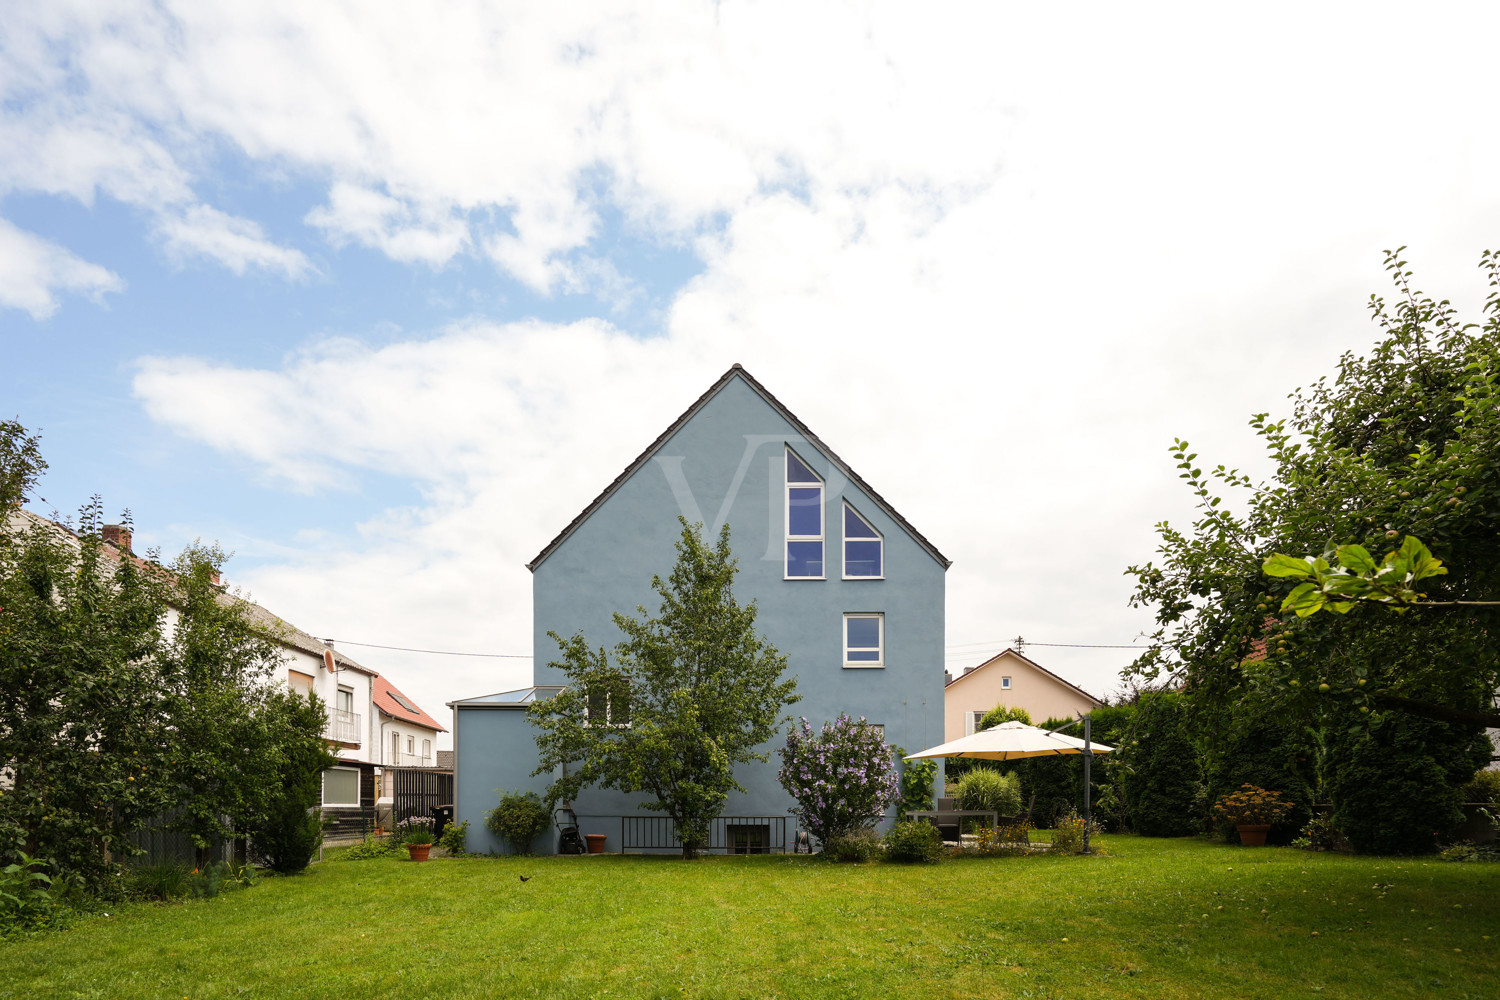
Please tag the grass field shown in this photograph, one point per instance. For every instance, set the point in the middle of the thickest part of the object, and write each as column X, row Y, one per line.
column 1154, row 918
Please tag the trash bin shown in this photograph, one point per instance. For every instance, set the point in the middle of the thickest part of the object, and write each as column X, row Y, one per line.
column 441, row 816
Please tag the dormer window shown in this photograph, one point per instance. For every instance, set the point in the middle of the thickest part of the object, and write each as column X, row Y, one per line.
column 804, row 520
column 864, row 549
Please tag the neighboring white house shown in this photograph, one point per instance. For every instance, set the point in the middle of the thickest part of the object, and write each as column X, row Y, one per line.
column 408, row 735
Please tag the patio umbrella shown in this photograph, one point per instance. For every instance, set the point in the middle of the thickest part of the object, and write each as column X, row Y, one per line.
column 1011, row 741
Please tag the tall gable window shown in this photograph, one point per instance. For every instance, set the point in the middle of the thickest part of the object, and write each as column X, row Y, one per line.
column 864, row 640
column 864, row 549
column 804, row 520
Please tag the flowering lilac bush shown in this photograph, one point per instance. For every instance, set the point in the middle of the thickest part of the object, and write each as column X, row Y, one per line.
column 843, row 777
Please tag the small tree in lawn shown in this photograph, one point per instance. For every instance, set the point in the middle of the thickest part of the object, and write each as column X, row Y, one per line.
column 843, row 777
column 689, row 695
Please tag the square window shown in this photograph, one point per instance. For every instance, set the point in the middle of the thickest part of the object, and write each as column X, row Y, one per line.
column 864, row 640
column 1005, row 683
column 341, row 786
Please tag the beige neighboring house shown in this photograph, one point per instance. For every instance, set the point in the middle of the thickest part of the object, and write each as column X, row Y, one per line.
column 1010, row 679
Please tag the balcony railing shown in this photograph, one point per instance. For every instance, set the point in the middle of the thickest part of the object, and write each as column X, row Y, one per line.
column 343, row 726
column 406, row 760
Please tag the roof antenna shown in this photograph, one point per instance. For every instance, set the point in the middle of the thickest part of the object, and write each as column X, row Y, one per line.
column 1019, row 643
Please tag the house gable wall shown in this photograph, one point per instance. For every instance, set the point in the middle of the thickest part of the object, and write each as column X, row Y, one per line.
column 980, row 690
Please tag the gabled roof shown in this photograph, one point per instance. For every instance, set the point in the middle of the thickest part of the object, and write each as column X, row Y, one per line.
column 398, row 706
column 737, row 371
column 1030, row 663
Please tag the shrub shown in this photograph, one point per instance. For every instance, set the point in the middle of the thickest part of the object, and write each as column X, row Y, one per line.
column 1394, row 783
column 1483, row 787
column 1265, row 750
column 26, row 898
column 1012, row 841
column 1161, row 769
column 854, row 845
column 164, row 882
column 1003, row 713
column 916, row 783
column 842, row 778
column 913, row 842
column 1319, row 835
column 454, row 838
column 370, row 847
column 518, row 820
column 987, row 789
column 1067, row 836
column 416, row 830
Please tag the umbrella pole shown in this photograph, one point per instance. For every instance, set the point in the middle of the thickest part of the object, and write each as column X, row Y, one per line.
column 1088, row 759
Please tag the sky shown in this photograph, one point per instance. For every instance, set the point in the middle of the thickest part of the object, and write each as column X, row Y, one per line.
column 380, row 296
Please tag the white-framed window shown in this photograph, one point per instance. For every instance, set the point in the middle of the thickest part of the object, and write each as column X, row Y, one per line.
column 1005, row 683
column 341, row 786
column 864, row 640
column 410, row 744
column 804, row 521
column 972, row 721
column 426, row 748
column 864, row 548
column 395, row 748
column 607, row 703
column 344, row 700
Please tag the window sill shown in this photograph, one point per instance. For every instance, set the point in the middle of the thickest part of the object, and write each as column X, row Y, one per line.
column 804, row 577
column 864, row 666
column 864, row 578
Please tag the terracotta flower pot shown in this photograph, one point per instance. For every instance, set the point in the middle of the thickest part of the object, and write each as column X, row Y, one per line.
column 419, row 852
column 1254, row 834
column 596, row 842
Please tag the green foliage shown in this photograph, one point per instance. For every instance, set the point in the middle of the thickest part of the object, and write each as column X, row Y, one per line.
column 286, row 834
column 913, row 842
column 1263, row 749
column 518, row 820
column 917, row 778
column 1483, row 787
column 1003, row 713
column 704, row 692
column 1320, row 835
column 986, row 789
column 853, row 846
column 162, row 882
column 1401, row 443
column 455, row 837
column 842, row 777
column 1160, row 768
column 1395, row 783
column 415, row 830
column 1067, row 835
column 27, row 899
column 371, row 848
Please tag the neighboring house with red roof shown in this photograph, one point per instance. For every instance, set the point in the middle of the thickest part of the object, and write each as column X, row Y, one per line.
column 1011, row 679
column 407, row 734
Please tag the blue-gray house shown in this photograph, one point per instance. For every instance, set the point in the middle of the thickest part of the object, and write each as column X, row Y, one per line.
column 847, row 590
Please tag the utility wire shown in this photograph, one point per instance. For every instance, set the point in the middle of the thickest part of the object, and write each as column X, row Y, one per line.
column 436, row 652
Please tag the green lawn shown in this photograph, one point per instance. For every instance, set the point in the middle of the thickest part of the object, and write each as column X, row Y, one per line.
column 1158, row 919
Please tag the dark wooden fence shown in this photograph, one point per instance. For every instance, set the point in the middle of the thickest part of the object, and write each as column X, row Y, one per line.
column 163, row 846
column 730, row 834
column 415, row 791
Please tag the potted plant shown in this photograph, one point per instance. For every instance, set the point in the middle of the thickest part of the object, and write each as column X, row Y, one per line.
column 416, row 833
column 1253, row 811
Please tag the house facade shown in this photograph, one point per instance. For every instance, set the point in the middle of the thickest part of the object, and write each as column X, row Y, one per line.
column 1009, row 678
column 846, row 589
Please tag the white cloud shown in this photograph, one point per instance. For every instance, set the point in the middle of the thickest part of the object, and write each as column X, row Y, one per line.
column 400, row 231
column 238, row 244
column 34, row 270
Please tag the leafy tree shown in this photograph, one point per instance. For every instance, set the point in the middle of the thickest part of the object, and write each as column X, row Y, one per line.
column 1003, row 713
column 1401, row 442
column 287, row 830
column 85, row 720
column 699, row 687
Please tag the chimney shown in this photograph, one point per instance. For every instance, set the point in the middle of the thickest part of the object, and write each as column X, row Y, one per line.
column 117, row 535
column 214, row 576
column 968, row 670
column 947, row 677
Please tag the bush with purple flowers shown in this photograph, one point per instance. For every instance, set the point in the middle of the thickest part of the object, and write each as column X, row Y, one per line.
column 843, row 777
